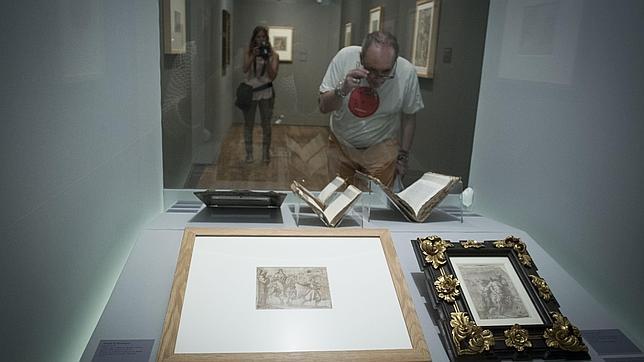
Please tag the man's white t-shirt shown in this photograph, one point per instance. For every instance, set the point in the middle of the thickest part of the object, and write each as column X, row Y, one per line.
column 400, row 94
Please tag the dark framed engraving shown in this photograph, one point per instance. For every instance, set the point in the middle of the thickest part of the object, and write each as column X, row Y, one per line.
column 491, row 303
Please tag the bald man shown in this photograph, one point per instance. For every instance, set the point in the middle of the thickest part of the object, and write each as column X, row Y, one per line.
column 373, row 97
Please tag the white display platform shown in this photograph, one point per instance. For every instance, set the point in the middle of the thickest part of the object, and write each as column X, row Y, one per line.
column 219, row 314
column 138, row 303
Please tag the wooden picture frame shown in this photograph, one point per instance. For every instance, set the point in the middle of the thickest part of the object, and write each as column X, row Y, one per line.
column 225, row 41
column 347, row 34
column 375, row 19
column 174, row 26
column 425, row 37
column 281, row 38
column 490, row 302
column 366, row 285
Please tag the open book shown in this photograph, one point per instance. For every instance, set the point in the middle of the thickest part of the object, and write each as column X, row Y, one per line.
column 418, row 199
column 329, row 209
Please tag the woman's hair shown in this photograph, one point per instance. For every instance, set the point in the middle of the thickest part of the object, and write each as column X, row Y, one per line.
column 256, row 31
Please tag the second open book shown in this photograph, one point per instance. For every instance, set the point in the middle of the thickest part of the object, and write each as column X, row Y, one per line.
column 329, row 205
column 418, row 199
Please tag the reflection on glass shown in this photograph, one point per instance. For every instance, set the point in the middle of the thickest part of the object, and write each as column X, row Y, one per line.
column 204, row 143
column 208, row 142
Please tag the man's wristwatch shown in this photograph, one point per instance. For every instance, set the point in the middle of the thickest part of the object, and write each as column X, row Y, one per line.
column 338, row 91
column 403, row 155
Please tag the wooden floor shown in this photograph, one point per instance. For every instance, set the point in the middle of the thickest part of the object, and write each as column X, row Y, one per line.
column 297, row 153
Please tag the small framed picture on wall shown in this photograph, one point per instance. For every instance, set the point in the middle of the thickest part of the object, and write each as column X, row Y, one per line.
column 425, row 37
column 281, row 38
column 174, row 26
column 347, row 34
column 375, row 19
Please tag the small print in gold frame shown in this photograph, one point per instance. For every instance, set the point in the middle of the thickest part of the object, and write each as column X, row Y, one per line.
column 491, row 304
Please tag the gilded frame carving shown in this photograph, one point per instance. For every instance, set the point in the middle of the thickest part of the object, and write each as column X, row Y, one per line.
column 456, row 310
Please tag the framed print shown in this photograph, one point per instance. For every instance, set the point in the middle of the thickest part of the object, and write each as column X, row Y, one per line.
column 174, row 26
column 497, row 295
column 281, row 38
column 347, row 34
column 375, row 19
column 425, row 37
column 490, row 302
column 225, row 41
column 261, row 294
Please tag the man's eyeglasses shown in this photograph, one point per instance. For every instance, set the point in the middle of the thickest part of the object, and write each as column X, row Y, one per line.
column 374, row 74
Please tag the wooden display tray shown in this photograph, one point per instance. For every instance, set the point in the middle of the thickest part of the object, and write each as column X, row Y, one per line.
column 337, row 242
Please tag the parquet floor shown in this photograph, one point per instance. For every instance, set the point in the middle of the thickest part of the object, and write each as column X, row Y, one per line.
column 297, row 153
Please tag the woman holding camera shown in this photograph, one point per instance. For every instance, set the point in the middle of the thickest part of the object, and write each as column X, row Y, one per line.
column 260, row 66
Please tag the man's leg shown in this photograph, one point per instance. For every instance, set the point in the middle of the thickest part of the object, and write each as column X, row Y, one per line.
column 339, row 162
column 379, row 161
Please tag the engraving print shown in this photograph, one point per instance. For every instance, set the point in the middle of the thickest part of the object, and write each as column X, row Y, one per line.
column 423, row 37
column 279, row 43
column 493, row 293
column 292, row 288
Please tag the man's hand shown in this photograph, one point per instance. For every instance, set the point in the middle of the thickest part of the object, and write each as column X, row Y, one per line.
column 330, row 101
column 402, row 162
column 352, row 79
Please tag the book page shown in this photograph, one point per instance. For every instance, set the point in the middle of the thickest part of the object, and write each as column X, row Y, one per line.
column 421, row 191
column 340, row 204
column 329, row 189
column 306, row 195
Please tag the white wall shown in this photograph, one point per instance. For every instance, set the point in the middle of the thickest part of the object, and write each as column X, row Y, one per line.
column 80, row 145
column 557, row 146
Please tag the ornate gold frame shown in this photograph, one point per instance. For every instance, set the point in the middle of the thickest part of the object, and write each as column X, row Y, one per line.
column 462, row 337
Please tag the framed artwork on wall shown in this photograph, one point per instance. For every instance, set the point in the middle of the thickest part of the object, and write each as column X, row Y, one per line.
column 491, row 302
column 174, row 26
column 347, row 34
column 375, row 19
column 225, row 41
column 261, row 294
column 425, row 37
column 281, row 38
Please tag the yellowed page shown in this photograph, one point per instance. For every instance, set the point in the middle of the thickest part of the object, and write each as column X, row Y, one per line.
column 421, row 191
column 340, row 204
column 329, row 189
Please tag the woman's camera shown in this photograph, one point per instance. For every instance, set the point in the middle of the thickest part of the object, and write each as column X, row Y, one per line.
column 264, row 50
